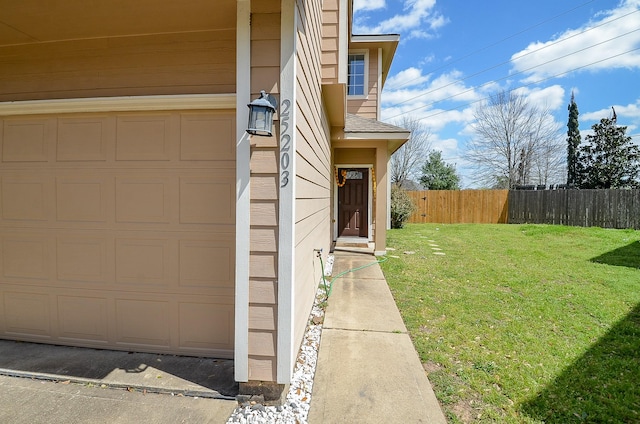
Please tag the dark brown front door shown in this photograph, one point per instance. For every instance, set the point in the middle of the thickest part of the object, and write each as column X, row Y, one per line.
column 352, row 203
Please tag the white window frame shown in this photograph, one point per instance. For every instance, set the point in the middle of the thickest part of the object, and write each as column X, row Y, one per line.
column 365, row 53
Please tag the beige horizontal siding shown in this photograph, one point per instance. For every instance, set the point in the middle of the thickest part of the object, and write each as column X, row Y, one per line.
column 313, row 161
column 188, row 63
column 330, row 41
column 263, row 292
column 263, row 269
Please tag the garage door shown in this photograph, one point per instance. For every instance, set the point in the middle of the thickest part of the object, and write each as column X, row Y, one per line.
column 118, row 231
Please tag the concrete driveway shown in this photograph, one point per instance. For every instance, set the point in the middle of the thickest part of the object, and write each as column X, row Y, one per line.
column 42, row 383
column 28, row 401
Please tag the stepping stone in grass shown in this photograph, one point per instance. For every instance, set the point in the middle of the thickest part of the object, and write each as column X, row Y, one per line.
column 439, row 253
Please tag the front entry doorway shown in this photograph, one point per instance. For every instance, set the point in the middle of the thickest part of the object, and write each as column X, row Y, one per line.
column 353, row 202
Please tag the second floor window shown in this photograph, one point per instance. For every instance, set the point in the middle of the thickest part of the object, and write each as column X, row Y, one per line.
column 356, row 81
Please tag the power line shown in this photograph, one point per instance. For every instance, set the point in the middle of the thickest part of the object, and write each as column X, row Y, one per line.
column 523, row 71
column 502, row 40
column 515, row 88
column 518, row 58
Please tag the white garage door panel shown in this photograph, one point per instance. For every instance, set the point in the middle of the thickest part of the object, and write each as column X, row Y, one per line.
column 119, row 231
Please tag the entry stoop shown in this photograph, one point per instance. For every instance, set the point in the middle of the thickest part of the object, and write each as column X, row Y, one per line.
column 354, row 244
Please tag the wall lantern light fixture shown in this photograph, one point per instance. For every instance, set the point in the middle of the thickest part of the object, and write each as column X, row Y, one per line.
column 261, row 115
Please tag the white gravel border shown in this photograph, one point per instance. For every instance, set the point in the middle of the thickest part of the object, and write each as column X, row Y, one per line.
column 295, row 409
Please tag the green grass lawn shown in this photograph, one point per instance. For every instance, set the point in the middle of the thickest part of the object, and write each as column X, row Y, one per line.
column 523, row 323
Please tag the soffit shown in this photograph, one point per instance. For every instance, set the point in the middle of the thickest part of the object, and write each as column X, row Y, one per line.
column 38, row 21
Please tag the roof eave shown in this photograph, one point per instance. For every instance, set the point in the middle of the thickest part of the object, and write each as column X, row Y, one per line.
column 394, row 139
column 358, row 135
column 387, row 42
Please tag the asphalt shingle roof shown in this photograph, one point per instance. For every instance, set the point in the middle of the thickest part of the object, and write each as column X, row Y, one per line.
column 355, row 123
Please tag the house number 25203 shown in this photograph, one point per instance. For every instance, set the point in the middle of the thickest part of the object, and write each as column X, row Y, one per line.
column 285, row 143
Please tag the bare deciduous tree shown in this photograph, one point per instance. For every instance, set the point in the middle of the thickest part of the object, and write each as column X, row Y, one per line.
column 549, row 166
column 406, row 162
column 515, row 140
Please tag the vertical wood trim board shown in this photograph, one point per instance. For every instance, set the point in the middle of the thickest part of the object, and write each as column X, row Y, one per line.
column 243, row 192
column 286, row 251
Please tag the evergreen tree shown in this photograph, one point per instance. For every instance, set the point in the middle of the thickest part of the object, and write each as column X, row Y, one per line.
column 573, row 142
column 608, row 159
column 439, row 175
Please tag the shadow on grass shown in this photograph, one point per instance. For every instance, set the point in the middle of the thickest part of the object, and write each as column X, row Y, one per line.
column 603, row 386
column 628, row 255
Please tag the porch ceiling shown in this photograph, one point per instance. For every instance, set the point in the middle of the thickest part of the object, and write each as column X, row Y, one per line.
column 39, row 21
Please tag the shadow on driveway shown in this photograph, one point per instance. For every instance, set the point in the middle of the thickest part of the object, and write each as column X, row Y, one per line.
column 204, row 377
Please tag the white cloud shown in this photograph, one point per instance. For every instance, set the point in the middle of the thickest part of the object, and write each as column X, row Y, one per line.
column 362, row 5
column 406, row 78
column 416, row 19
column 427, row 60
column 489, row 88
column 599, row 114
column 448, row 147
column 438, row 22
column 630, row 112
column 446, row 87
column 551, row 97
column 628, row 115
column 605, row 43
column 418, row 33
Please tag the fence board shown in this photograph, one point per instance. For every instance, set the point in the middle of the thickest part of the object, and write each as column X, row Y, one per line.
column 613, row 208
column 460, row 206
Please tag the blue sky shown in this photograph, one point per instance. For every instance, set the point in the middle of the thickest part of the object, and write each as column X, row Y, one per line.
column 455, row 53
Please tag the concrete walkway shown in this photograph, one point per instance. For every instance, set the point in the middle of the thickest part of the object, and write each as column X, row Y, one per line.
column 368, row 370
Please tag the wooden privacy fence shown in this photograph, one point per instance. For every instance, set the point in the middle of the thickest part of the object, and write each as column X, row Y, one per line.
column 460, row 206
column 613, row 208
